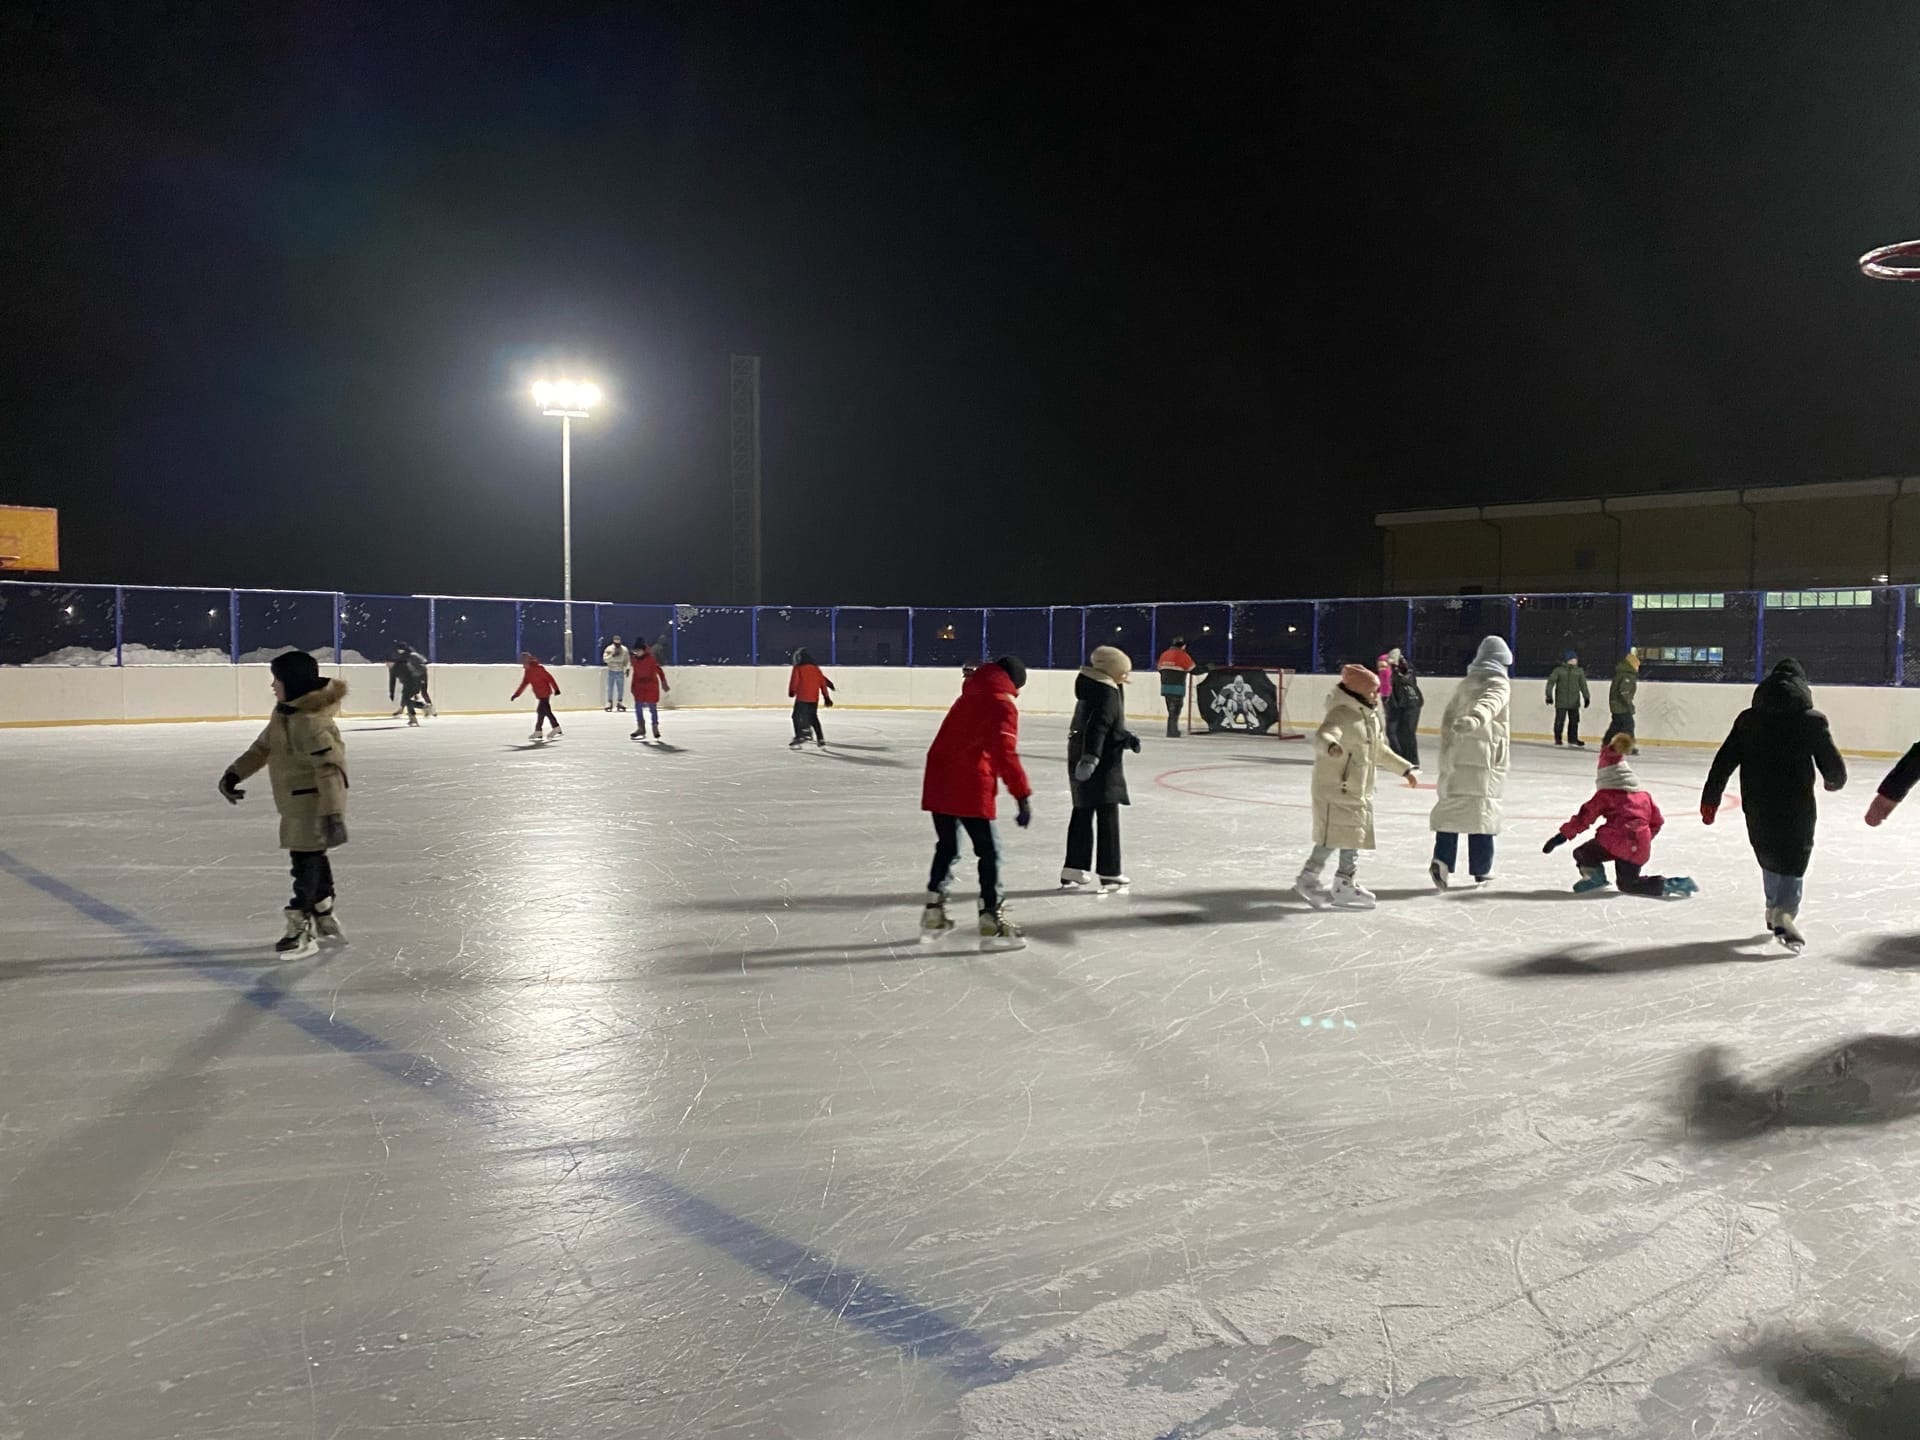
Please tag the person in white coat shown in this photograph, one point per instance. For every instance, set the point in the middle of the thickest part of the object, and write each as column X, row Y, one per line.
column 1348, row 750
column 1475, row 751
column 617, row 658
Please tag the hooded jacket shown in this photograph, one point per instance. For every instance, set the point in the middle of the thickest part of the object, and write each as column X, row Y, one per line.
column 1406, row 694
column 408, row 671
column 1383, row 667
column 1626, row 684
column 536, row 677
column 1343, row 783
column 305, row 758
column 1775, row 744
column 977, row 747
column 1476, row 746
column 645, row 676
column 1099, row 729
column 1567, row 686
column 1628, row 817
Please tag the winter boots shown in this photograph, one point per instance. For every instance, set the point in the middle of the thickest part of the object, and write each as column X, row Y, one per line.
column 298, row 942
column 1592, row 877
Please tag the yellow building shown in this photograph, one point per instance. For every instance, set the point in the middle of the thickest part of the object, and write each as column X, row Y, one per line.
column 1848, row 532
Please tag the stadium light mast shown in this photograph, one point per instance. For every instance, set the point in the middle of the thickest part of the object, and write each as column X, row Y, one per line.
column 570, row 400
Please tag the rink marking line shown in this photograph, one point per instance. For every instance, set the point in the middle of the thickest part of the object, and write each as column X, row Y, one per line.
column 916, row 1329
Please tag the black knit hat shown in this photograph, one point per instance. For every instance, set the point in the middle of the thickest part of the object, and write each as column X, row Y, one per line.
column 1016, row 668
column 298, row 673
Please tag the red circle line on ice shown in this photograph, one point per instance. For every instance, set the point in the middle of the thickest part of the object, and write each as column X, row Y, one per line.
column 1165, row 781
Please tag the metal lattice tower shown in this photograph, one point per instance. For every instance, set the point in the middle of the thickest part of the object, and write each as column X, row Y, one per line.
column 744, row 471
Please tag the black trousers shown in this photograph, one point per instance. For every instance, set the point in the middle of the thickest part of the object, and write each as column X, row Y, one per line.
column 1620, row 725
column 543, row 711
column 1403, row 734
column 1626, row 875
column 806, row 719
column 1175, row 704
column 1567, row 718
column 946, row 850
column 412, row 697
column 312, row 879
column 1103, row 820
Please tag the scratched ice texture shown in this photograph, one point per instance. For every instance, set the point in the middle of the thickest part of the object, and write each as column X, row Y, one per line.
column 634, row 1108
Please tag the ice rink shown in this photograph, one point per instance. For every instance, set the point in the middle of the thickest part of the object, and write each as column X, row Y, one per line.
column 634, row 1108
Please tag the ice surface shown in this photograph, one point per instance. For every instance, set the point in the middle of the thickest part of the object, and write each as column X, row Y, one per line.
column 635, row 1108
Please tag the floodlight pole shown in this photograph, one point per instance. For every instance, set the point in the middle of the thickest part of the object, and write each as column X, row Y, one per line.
column 566, row 418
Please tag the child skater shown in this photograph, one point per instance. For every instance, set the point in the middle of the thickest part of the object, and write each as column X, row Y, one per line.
column 1097, row 743
column 648, row 677
column 539, row 679
column 978, row 747
column 810, row 689
column 306, row 760
column 1775, row 744
column 1628, row 822
column 1348, row 748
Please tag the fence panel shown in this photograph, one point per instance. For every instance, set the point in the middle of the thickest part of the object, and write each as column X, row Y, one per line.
column 1843, row 637
column 1696, row 636
column 1594, row 627
column 867, row 636
column 1067, row 633
column 1021, row 632
column 1274, row 633
column 946, row 637
column 177, row 627
column 273, row 620
column 473, row 632
column 1206, row 628
column 635, row 625
column 715, row 635
column 1356, row 632
column 372, row 625
column 1128, row 627
column 542, row 628
column 785, row 630
column 56, row 625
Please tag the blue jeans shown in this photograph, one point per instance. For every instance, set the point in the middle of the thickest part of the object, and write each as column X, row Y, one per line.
column 1783, row 891
column 616, row 687
column 1446, row 849
column 641, row 710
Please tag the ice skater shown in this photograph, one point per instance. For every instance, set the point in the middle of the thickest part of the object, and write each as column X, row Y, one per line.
column 618, row 660
column 1895, row 787
column 1176, row 672
column 408, row 672
column 649, row 679
column 1629, row 821
column 536, row 677
column 1568, row 694
column 1475, row 751
column 1403, row 709
column 1348, row 749
column 976, row 749
column 306, row 759
column 1775, row 744
column 1097, row 743
column 810, row 689
column 1623, row 696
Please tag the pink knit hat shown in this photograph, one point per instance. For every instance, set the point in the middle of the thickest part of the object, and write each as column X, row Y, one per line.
column 1360, row 680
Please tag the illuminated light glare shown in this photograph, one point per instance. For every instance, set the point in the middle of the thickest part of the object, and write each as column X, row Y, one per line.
column 566, row 394
column 212, row 613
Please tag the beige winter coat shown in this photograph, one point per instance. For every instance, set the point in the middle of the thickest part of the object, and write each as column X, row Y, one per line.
column 1475, row 751
column 306, row 759
column 1343, row 783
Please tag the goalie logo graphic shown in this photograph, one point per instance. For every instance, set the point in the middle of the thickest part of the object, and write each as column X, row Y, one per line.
column 1242, row 701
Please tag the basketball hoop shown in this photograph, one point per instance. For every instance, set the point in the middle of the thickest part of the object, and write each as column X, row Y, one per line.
column 1874, row 264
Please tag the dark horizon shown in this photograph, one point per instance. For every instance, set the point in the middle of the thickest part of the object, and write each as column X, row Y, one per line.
column 1046, row 316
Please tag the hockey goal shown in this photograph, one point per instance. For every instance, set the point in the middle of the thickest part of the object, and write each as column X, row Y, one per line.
column 1240, row 700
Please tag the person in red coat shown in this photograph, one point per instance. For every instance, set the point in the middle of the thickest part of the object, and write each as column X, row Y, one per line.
column 536, row 677
column 809, row 688
column 1628, row 822
column 976, row 750
column 647, row 677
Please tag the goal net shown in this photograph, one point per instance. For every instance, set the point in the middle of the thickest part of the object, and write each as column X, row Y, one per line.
column 1240, row 700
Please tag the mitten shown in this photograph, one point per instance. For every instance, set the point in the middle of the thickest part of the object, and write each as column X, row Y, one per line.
column 1554, row 844
column 1083, row 772
column 1880, row 809
column 1133, row 743
column 1707, row 812
column 1025, row 816
column 230, row 788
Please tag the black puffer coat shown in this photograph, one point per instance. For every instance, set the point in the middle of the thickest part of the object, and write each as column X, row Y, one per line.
column 1100, row 730
column 1775, row 745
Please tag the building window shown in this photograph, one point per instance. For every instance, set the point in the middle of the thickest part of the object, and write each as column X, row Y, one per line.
column 1686, row 600
column 1685, row 654
column 1818, row 599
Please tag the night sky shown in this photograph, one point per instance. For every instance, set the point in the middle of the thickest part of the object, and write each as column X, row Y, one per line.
column 1053, row 307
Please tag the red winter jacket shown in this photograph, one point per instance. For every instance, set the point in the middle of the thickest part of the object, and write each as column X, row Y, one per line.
column 808, row 683
column 647, row 676
column 1628, row 822
column 536, row 676
column 977, row 747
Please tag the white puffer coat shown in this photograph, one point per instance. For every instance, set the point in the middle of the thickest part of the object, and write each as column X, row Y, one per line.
column 1475, row 751
column 1343, row 783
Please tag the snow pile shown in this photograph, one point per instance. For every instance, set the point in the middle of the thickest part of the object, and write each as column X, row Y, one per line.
column 136, row 654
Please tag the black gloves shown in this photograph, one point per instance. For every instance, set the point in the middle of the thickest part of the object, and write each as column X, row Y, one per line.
column 826, row 699
column 230, row 788
column 1083, row 772
column 1025, row 817
column 1554, row 844
column 1133, row 743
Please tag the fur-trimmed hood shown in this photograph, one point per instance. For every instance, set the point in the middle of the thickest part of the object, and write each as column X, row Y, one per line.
column 330, row 694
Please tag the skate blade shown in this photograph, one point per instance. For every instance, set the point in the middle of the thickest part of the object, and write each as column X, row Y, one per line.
column 1002, row 942
column 934, row 937
column 1314, row 900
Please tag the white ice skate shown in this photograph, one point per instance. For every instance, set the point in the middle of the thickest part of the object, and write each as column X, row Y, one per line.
column 935, row 923
column 1786, row 931
column 538, row 735
column 298, row 942
column 1437, row 872
column 997, row 932
column 1072, row 879
column 1114, row 884
column 1350, row 894
column 326, row 924
column 1312, row 889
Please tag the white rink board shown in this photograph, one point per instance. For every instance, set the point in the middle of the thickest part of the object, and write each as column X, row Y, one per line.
column 622, row 1030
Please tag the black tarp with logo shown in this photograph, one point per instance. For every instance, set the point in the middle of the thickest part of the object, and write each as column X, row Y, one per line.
column 1243, row 701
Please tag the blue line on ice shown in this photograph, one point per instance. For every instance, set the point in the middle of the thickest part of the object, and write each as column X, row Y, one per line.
column 888, row 1315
